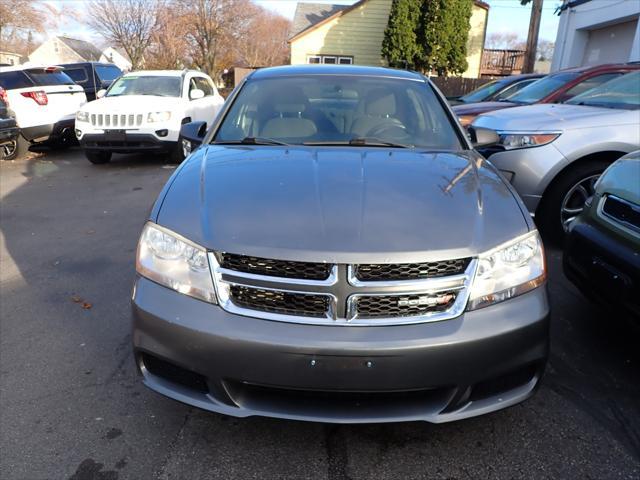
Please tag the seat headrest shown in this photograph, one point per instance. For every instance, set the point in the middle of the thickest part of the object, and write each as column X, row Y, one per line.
column 380, row 103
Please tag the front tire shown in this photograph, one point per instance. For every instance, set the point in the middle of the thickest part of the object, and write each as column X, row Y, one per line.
column 98, row 158
column 565, row 198
column 176, row 154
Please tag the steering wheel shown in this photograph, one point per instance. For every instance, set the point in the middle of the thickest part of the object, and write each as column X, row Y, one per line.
column 389, row 131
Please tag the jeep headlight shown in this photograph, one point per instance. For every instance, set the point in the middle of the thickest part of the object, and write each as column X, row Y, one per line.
column 154, row 117
column 507, row 271
column 511, row 141
column 175, row 262
column 82, row 116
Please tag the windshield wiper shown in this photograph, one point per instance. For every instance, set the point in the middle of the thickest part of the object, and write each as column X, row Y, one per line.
column 252, row 141
column 359, row 142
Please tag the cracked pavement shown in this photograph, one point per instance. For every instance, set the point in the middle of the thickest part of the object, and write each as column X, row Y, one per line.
column 72, row 406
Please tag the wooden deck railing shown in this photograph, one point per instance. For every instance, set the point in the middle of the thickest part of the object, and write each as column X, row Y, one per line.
column 501, row 62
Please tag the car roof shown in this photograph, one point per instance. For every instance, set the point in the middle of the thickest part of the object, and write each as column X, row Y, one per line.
column 86, row 63
column 162, row 73
column 358, row 70
column 605, row 67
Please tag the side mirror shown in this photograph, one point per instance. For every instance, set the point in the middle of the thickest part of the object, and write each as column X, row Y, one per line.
column 191, row 136
column 101, row 93
column 196, row 94
column 481, row 137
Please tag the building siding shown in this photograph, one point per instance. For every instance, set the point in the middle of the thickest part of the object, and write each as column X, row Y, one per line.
column 46, row 53
column 359, row 34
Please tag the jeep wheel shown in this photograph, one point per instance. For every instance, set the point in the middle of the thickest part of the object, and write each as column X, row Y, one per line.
column 98, row 158
column 176, row 154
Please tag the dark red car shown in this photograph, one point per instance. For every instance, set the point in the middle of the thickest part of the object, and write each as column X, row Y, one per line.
column 554, row 88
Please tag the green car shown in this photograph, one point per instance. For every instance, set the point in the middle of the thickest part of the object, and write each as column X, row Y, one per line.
column 602, row 253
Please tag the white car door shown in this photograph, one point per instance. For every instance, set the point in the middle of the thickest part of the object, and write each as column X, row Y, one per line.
column 206, row 108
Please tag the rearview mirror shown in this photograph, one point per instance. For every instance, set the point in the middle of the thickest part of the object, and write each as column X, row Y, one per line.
column 196, row 94
column 101, row 93
column 481, row 137
column 191, row 136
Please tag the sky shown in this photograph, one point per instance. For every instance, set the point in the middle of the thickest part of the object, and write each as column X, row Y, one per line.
column 505, row 16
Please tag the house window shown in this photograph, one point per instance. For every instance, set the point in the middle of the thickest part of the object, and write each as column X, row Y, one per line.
column 329, row 59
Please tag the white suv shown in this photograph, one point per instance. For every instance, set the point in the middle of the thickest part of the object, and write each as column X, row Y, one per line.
column 144, row 111
column 45, row 101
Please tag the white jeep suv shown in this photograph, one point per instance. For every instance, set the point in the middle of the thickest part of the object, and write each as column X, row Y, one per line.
column 45, row 101
column 144, row 111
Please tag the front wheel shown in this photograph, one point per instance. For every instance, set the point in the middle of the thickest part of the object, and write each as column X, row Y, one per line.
column 177, row 154
column 98, row 158
column 565, row 199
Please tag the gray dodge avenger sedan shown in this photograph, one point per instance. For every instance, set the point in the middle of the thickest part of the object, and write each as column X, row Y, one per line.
column 335, row 250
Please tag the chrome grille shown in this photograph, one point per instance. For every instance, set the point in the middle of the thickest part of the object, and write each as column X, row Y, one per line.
column 275, row 268
column 377, row 306
column 410, row 271
column 286, row 291
column 285, row 303
column 116, row 120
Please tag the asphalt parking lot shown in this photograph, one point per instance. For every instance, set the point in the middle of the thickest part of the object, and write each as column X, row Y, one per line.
column 72, row 406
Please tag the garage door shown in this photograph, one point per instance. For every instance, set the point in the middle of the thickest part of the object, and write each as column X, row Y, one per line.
column 610, row 44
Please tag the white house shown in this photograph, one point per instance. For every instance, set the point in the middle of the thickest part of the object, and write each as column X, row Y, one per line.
column 57, row 50
column 118, row 57
column 593, row 32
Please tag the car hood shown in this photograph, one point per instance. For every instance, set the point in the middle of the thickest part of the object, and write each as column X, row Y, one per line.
column 554, row 117
column 132, row 103
column 341, row 205
column 481, row 107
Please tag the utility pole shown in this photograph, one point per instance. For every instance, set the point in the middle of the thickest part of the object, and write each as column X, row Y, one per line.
column 532, row 37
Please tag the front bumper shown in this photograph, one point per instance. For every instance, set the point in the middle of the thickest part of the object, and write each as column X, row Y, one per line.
column 603, row 267
column 131, row 143
column 529, row 170
column 201, row 355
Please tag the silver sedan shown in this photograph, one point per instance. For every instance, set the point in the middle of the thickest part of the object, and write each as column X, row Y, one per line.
column 553, row 154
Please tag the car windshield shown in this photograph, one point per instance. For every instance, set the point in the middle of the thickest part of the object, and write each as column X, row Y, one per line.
column 338, row 110
column 161, row 86
column 623, row 92
column 483, row 92
column 543, row 87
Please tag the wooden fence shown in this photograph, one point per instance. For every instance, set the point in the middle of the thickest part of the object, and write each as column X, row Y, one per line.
column 456, row 86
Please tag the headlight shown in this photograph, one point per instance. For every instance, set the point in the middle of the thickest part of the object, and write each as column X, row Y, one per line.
column 508, row 271
column 82, row 116
column 512, row 141
column 158, row 117
column 175, row 262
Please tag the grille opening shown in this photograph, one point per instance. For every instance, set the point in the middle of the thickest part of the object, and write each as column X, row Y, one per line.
column 410, row 271
column 503, row 383
column 404, row 305
column 351, row 404
column 286, row 303
column 175, row 374
column 275, row 268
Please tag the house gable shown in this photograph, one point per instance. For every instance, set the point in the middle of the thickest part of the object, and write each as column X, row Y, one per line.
column 355, row 33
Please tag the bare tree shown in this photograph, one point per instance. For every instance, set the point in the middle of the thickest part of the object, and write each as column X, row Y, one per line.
column 214, row 27
column 267, row 42
column 19, row 19
column 129, row 24
column 545, row 49
column 505, row 41
column 169, row 47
